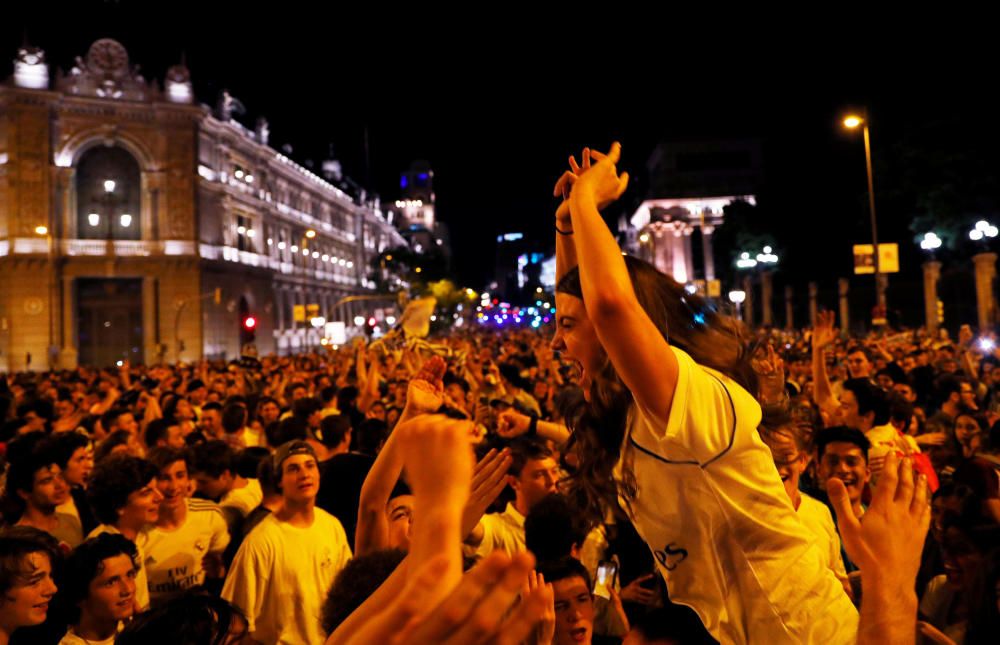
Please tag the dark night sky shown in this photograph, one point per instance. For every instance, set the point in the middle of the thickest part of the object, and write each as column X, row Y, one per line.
column 495, row 101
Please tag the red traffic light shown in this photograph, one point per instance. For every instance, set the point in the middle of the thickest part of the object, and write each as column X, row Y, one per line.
column 249, row 322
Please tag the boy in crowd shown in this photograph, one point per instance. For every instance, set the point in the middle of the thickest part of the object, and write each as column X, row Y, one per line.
column 100, row 589
column 286, row 565
column 126, row 500
column 186, row 545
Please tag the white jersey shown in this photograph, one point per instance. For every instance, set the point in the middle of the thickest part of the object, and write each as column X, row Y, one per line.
column 281, row 575
column 175, row 559
column 711, row 507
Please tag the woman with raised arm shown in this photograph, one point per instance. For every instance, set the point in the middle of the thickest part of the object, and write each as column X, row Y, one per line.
column 668, row 430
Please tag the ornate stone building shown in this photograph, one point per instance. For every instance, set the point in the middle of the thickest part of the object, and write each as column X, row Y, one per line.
column 136, row 224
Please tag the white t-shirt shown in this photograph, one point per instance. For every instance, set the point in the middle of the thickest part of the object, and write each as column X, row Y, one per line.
column 503, row 532
column 816, row 516
column 70, row 638
column 281, row 575
column 243, row 499
column 174, row 559
column 141, row 580
column 711, row 507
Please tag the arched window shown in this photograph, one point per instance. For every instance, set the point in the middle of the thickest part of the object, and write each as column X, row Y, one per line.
column 107, row 195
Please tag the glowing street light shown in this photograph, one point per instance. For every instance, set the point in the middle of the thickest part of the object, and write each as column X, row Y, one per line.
column 109, row 186
column 983, row 230
column 930, row 242
column 42, row 230
column 310, row 234
column 745, row 261
column 768, row 256
column 852, row 121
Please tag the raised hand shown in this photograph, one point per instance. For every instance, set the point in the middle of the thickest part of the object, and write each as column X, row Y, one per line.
column 546, row 629
column 887, row 541
column 438, row 458
column 824, row 332
column 770, row 371
column 425, row 392
column 489, row 478
column 601, row 179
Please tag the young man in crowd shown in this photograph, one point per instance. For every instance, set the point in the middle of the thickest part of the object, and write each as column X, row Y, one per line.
column 343, row 474
column 126, row 500
column 100, row 588
column 286, row 565
column 163, row 433
column 533, row 474
column 213, row 465
column 791, row 457
column 75, row 458
column 186, row 545
column 37, row 482
column 842, row 453
column 210, row 422
column 859, row 364
column 27, row 557
column 573, row 602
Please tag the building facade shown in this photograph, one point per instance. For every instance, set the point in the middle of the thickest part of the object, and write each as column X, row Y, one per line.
column 138, row 225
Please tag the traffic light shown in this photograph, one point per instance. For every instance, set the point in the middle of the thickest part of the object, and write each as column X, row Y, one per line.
column 248, row 329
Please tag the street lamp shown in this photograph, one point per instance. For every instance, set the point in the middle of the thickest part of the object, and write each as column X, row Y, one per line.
column 851, row 122
column 932, row 273
column 931, row 242
column 737, row 296
column 983, row 231
column 745, row 261
column 767, row 257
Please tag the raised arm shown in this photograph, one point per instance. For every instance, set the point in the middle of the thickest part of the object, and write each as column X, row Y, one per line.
column 610, row 300
column 823, row 335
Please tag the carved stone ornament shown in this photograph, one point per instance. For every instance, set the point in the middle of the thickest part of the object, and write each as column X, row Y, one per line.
column 33, row 306
column 106, row 73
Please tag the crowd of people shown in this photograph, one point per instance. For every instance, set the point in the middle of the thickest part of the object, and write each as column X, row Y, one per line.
column 651, row 472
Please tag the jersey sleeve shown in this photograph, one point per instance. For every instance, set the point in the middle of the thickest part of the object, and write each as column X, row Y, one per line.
column 704, row 412
column 220, row 532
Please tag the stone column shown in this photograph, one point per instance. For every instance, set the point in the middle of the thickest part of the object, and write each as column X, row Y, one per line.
column 68, row 353
column 766, row 294
column 986, row 271
column 706, row 250
column 748, row 303
column 932, row 273
column 813, row 293
column 150, row 320
column 688, row 254
column 678, row 261
column 843, row 288
column 789, row 308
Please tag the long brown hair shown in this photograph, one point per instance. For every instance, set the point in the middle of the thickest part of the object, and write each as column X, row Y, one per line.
column 688, row 322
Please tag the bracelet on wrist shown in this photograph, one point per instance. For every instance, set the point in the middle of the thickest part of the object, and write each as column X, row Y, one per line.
column 533, row 426
column 562, row 232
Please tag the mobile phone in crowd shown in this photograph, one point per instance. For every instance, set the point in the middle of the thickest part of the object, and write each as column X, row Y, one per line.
column 605, row 579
